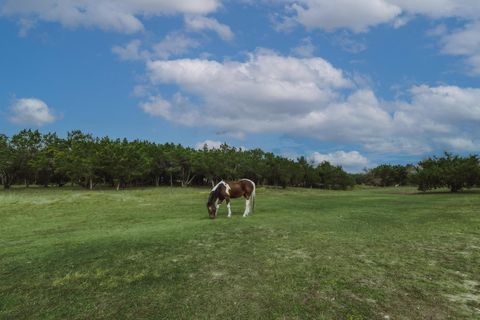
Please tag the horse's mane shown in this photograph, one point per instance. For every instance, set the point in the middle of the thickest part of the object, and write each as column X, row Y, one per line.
column 219, row 184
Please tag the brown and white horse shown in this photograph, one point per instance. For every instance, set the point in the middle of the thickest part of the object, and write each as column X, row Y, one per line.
column 231, row 190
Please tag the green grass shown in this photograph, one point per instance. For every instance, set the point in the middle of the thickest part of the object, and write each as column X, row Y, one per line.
column 303, row 254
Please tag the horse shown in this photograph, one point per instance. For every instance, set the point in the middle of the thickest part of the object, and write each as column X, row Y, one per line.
column 231, row 190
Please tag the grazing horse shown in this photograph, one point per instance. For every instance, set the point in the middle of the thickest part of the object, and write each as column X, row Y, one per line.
column 231, row 190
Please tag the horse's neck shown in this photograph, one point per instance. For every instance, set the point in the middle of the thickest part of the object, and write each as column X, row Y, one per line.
column 212, row 197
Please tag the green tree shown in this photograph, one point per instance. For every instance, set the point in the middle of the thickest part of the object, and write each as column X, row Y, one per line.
column 79, row 159
column 26, row 145
column 43, row 164
column 333, row 177
column 7, row 162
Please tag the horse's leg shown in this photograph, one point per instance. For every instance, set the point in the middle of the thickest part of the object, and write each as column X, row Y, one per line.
column 217, row 204
column 247, row 207
column 228, row 206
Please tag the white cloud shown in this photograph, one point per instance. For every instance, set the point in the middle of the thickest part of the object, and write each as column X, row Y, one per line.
column 330, row 15
column 438, row 116
column 356, row 15
column 351, row 161
column 31, row 111
column 447, row 103
column 199, row 23
column 264, row 78
column 211, row 144
column 465, row 42
column 119, row 15
column 157, row 106
column 309, row 97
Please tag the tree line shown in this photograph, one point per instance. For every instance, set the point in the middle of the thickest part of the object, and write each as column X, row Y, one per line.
column 30, row 157
column 448, row 171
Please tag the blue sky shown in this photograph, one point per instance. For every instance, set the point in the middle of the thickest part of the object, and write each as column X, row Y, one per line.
column 357, row 83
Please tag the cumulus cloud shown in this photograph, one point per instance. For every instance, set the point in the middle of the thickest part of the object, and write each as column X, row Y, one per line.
column 31, row 111
column 330, row 15
column 309, row 97
column 119, row 15
column 199, row 23
column 439, row 116
column 210, row 144
column 351, row 161
column 464, row 42
column 263, row 79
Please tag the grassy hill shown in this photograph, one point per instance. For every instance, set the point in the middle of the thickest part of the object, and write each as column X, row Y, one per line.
column 153, row 253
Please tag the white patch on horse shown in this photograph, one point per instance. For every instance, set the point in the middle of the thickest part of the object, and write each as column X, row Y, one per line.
column 227, row 187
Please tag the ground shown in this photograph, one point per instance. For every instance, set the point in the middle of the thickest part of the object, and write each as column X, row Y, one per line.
column 303, row 254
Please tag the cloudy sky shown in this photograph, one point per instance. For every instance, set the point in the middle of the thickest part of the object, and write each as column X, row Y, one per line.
column 354, row 82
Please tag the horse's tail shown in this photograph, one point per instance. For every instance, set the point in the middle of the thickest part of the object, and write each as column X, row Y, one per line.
column 252, row 196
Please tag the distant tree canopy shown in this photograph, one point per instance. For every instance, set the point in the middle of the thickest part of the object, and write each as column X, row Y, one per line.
column 387, row 175
column 30, row 157
column 451, row 171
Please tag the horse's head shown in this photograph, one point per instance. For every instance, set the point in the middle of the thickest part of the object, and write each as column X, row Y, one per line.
column 211, row 205
column 212, row 211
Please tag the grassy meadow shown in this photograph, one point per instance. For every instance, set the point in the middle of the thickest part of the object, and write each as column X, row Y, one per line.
column 304, row 254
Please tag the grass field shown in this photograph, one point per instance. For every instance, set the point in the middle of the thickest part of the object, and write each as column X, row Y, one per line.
column 303, row 254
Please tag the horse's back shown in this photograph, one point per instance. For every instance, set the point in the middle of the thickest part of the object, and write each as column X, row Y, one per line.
column 241, row 188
